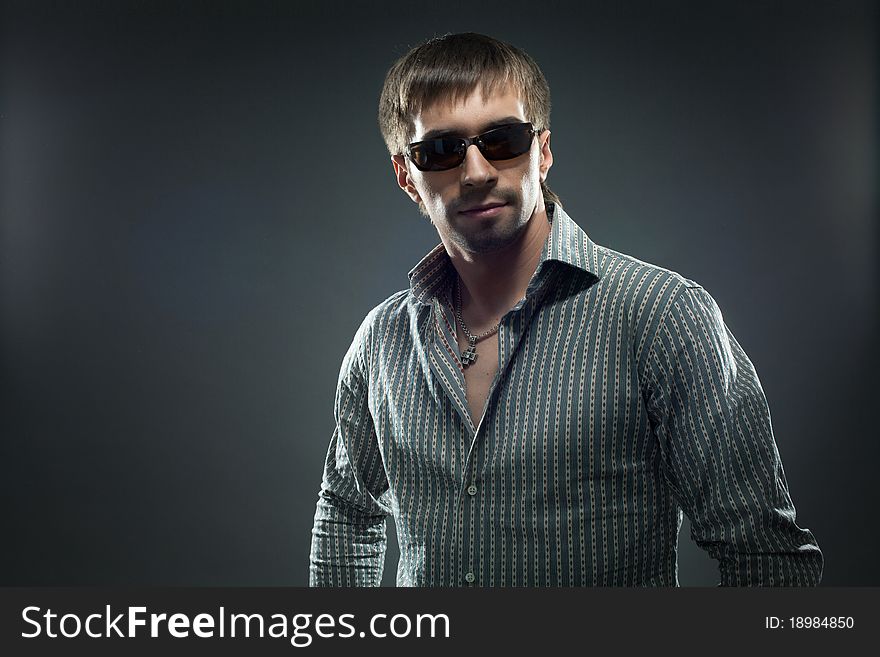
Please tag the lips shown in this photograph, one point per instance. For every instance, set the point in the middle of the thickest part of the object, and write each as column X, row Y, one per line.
column 482, row 208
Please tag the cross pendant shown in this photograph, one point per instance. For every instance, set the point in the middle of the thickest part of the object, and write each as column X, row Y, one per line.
column 469, row 355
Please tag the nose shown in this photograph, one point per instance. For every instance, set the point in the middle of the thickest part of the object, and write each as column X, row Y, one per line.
column 476, row 170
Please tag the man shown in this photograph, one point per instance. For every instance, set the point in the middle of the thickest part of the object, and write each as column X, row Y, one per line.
column 536, row 409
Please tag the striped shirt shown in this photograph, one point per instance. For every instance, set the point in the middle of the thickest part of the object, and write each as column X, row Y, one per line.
column 621, row 400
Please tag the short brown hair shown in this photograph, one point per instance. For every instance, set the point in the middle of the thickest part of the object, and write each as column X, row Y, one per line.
column 450, row 68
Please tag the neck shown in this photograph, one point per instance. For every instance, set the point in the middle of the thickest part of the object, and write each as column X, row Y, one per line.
column 492, row 283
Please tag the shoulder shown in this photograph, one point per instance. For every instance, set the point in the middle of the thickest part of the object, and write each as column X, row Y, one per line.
column 643, row 287
column 379, row 320
column 387, row 311
column 646, row 295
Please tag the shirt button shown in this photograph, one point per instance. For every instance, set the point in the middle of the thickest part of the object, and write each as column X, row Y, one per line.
column 469, row 578
column 472, row 490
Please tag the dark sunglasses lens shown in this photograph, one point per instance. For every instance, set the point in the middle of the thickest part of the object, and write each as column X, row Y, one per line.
column 438, row 154
column 504, row 143
column 507, row 142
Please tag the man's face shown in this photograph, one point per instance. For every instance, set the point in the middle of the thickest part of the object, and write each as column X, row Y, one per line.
column 448, row 195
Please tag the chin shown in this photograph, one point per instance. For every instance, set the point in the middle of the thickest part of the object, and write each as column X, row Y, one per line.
column 488, row 236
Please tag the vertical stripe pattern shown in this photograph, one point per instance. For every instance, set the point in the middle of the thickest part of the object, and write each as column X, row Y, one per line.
column 622, row 400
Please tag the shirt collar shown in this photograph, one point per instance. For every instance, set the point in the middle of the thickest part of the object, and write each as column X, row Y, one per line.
column 567, row 243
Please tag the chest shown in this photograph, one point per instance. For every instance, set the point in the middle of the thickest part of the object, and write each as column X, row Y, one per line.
column 567, row 398
column 565, row 411
column 480, row 374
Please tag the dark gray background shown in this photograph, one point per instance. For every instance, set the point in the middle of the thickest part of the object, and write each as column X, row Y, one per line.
column 198, row 210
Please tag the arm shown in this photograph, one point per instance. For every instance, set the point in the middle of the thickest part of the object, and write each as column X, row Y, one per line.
column 348, row 536
column 720, row 459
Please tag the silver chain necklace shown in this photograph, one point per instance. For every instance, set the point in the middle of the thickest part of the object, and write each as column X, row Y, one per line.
column 470, row 354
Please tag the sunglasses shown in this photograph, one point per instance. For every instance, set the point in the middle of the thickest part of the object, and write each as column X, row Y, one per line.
column 503, row 143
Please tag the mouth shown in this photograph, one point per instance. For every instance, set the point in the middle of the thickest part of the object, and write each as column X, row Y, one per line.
column 485, row 210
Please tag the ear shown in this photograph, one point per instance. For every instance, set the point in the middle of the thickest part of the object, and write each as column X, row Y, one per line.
column 546, row 154
column 398, row 162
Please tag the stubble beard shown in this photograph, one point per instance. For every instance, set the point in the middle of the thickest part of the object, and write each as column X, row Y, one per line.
column 478, row 236
column 491, row 235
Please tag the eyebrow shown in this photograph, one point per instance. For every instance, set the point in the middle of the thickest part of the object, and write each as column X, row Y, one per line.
column 443, row 132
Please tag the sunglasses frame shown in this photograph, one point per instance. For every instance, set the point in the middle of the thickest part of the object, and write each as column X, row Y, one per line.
column 467, row 141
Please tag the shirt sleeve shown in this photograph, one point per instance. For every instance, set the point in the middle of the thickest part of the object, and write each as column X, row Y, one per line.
column 349, row 532
column 719, row 456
